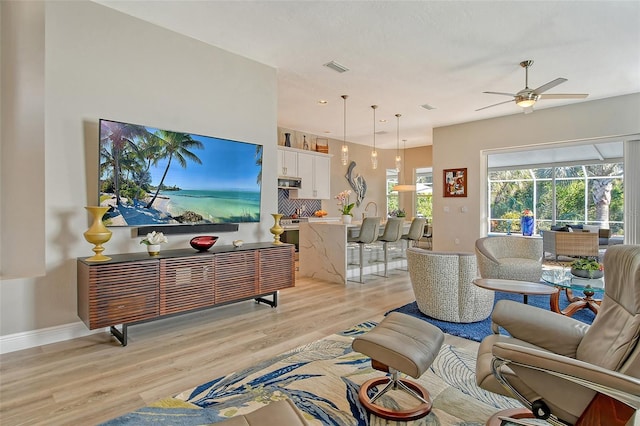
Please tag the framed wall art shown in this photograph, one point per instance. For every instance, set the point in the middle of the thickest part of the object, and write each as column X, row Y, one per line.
column 455, row 182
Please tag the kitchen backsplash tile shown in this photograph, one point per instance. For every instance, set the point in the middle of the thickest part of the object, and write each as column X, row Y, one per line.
column 288, row 207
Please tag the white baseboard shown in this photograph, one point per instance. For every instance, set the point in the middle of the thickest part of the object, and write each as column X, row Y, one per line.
column 30, row 339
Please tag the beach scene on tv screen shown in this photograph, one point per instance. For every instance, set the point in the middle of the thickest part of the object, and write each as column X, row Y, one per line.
column 151, row 176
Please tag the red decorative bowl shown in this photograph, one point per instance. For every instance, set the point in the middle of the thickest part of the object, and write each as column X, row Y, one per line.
column 203, row 243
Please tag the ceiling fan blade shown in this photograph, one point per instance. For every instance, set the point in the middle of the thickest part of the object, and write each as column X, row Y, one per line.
column 500, row 103
column 549, row 85
column 564, row 96
column 501, row 93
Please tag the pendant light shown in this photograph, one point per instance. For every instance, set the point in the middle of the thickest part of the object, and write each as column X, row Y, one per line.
column 400, row 187
column 398, row 159
column 374, row 153
column 344, row 156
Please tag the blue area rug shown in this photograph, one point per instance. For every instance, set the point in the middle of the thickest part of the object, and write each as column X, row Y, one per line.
column 479, row 330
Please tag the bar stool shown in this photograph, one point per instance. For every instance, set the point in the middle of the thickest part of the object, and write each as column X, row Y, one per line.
column 368, row 234
column 416, row 231
column 392, row 233
column 428, row 236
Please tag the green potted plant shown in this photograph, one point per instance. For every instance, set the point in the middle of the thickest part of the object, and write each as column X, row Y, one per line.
column 587, row 268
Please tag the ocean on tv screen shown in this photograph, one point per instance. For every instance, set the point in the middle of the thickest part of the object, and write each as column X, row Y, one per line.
column 151, row 176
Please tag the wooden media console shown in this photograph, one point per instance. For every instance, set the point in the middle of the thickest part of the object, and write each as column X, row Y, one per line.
column 132, row 288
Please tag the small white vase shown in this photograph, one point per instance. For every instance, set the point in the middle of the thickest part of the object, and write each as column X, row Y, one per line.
column 346, row 218
column 153, row 249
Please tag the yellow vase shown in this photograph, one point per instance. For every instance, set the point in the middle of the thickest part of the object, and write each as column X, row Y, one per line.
column 276, row 229
column 97, row 234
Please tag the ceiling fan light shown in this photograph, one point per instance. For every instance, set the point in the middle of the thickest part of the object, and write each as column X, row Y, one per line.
column 526, row 101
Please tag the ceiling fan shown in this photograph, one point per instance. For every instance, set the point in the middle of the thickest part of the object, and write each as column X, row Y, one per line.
column 526, row 98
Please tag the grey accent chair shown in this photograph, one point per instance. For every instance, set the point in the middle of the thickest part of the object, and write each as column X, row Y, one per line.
column 392, row 233
column 510, row 258
column 442, row 284
column 369, row 231
column 565, row 370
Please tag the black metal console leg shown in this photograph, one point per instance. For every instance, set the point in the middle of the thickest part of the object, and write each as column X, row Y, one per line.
column 120, row 335
column 273, row 303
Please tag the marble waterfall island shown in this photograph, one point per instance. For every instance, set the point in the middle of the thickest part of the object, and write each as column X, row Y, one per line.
column 324, row 253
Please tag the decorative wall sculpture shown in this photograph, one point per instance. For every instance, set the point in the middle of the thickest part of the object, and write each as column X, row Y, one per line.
column 358, row 184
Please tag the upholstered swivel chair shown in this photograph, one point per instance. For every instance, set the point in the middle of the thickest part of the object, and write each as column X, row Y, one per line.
column 392, row 233
column 563, row 369
column 442, row 284
column 369, row 231
column 510, row 258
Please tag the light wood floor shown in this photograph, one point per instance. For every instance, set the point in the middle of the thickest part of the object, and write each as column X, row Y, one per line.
column 93, row 379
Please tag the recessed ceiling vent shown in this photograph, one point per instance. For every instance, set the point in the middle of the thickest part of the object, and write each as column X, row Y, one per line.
column 336, row 66
column 428, row 107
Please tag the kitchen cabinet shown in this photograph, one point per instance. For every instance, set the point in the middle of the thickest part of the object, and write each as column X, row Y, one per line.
column 315, row 172
column 287, row 163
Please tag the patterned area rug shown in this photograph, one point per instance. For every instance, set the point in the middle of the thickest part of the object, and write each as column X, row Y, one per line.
column 323, row 379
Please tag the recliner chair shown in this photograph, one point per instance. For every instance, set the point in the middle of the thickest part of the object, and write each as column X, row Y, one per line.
column 562, row 369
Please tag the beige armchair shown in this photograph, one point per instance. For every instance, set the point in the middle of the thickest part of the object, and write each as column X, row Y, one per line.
column 510, row 258
column 442, row 284
column 562, row 369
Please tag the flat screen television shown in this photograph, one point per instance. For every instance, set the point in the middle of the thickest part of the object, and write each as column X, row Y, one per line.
column 151, row 176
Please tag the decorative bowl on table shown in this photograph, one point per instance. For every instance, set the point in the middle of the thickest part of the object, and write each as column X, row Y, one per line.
column 583, row 273
column 203, row 242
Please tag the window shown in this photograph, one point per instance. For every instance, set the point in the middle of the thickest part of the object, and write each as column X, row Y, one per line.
column 558, row 195
column 424, row 192
column 392, row 196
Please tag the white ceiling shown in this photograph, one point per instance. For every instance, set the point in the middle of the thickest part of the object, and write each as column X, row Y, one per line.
column 403, row 54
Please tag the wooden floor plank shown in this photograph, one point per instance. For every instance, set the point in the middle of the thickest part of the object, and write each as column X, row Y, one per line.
column 93, row 379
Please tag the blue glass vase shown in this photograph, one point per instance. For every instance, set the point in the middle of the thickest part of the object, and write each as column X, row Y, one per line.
column 526, row 224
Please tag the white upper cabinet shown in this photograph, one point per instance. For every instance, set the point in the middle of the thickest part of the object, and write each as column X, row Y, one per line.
column 315, row 173
column 287, row 163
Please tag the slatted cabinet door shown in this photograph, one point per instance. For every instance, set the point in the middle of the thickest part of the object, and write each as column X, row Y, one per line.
column 277, row 270
column 118, row 293
column 186, row 283
column 236, row 275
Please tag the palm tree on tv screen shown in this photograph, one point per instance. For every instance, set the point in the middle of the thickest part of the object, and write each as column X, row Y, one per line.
column 122, row 137
column 259, row 163
column 175, row 145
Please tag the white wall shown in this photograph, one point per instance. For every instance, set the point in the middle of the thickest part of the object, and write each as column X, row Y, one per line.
column 461, row 145
column 99, row 63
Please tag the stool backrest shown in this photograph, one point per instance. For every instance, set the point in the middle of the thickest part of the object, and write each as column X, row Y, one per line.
column 393, row 229
column 369, row 230
column 417, row 228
